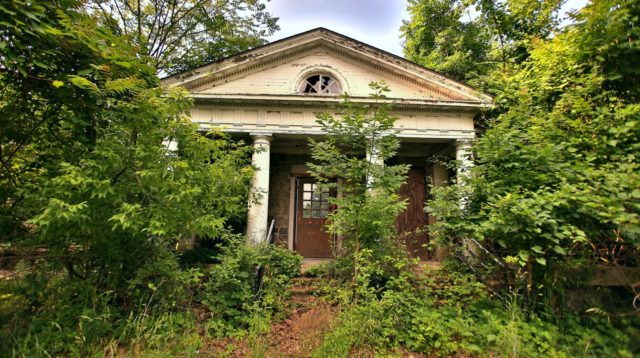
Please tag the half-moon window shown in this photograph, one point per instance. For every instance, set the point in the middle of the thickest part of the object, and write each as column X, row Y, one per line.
column 320, row 84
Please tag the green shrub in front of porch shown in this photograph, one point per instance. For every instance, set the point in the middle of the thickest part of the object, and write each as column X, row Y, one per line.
column 247, row 287
column 353, row 151
column 452, row 314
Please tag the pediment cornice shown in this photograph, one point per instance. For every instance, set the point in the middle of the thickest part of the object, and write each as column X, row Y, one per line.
column 326, row 102
column 322, row 40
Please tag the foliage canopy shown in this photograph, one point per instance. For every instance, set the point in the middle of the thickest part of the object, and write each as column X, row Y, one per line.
column 556, row 181
column 85, row 173
column 179, row 35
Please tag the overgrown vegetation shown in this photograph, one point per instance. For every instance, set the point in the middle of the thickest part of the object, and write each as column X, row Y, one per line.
column 86, row 182
column 448, row 313
column 354, row 150
column 89, row 185
column 556, row 181
column 248, row 287
column 389, row 306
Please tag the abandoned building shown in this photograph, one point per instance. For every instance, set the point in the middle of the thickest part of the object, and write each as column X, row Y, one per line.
column 270, row 95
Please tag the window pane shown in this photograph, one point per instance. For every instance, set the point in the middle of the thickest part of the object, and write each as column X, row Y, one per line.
column 306, row 196
column 315, row 205
column 315, row 214
column 334, row 87
column 306, row 204
column 320, row 84
column 307, row 187
column 306, row 214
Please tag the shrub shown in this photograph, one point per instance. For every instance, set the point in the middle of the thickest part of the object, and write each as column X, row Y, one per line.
column 354, row 150
column 54, row 315
column 249, row 282
column 556, row 177
column 450, row 313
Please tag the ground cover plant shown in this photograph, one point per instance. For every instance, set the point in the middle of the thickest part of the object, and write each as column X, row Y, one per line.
column 94, row 151
column 389, row 306
column 448, row 313
column 89, row 168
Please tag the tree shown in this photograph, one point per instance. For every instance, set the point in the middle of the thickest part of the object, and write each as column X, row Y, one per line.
column 183, row 34
column 479, row 49
column 84, row 172
column 556, row 181
column 438, row 37
column 354, row 149
column 514, row 23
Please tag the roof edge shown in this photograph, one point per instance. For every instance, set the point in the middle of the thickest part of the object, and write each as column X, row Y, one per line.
column 171, row 80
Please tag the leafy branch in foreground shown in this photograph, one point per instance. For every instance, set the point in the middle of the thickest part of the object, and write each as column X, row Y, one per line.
column 350, row 159
column 556, row 181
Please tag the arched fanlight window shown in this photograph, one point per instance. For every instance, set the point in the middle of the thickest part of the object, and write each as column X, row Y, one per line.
column 320, row 84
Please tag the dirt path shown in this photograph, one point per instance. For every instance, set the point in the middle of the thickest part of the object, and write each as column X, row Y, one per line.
column 303, row 332
column 297, row 336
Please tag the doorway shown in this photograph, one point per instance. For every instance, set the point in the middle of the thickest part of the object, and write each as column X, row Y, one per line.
column 311, row 211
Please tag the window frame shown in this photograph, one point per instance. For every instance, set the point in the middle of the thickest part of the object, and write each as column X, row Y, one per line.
column 321, row 90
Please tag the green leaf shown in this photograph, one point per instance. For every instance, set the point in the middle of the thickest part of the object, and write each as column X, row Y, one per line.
column 541, row 260
column 57, row 84
column 83, row 83
column 537, row 249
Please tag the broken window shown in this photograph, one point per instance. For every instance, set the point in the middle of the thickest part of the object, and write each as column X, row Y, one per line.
column 320, row 84
column 315, row 202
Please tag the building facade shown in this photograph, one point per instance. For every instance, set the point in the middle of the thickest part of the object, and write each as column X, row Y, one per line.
column 270, row 96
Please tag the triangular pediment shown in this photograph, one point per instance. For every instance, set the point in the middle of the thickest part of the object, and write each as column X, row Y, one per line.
column 277, row 69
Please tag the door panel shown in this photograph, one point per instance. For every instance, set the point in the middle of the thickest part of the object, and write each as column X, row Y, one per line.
column 412, row 222
column 312, row 208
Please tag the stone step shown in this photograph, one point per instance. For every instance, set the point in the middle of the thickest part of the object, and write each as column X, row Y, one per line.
column 302, row 291
column 303, row 281
column 303, row 286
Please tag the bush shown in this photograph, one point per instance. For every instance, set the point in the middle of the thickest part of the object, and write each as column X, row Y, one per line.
column 49, row 314
column 450, row 313
column 248, row 283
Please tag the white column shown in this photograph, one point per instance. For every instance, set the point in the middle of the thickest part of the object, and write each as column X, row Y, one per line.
column 463, row 157
column 465, row 162
column 373, row 156
column 257, row 225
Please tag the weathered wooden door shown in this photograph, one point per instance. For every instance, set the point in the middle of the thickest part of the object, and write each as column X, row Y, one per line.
column 312, row 209
column 412, row 222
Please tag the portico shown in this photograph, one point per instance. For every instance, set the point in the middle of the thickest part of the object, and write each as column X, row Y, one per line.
column 270, row 96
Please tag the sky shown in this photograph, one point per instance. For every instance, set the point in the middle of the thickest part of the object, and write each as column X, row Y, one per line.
column 374, row 22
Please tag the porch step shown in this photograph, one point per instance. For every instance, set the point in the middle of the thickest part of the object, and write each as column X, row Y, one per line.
column 303, row 281
column 303, row 286
column 309, row 263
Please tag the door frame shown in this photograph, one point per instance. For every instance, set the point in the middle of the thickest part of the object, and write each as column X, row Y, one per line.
column 293, row 210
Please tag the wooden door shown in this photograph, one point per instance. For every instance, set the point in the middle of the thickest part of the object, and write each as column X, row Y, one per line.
column 312, row 208
column 412, row 222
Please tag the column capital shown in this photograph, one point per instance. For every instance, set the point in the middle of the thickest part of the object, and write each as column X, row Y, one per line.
column 462, row 143
column 261, row 138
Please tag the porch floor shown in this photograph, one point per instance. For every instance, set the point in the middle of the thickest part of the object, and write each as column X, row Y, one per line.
column 308, row 263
